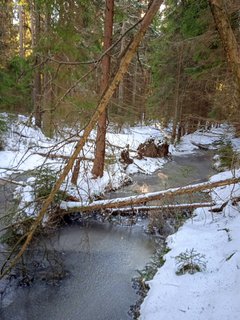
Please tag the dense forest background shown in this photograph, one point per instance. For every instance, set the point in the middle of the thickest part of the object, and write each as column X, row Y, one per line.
column 51, row 52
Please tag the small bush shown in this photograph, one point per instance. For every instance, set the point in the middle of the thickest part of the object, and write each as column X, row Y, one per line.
column 45, row 178
column 228, row 157
column 190, row 262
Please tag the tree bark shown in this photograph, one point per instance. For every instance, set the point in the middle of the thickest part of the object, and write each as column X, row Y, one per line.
column 47, row 113
column 176, row 207
column 153, row 9
column 147, row 197
column 177, row 111
column 121, row 84
column 60, row 156
column 21, row 31
column 227, row 37
column 98, row 165
column 76, row 171
column 47, row 94
column 37, row 84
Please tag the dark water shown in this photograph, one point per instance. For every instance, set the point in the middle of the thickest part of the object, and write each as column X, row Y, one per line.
column 101, row 259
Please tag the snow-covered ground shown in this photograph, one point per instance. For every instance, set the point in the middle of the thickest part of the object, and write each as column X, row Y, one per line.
column 24, row 144
column 211, row 294
column 209, row 139
column 212, row 240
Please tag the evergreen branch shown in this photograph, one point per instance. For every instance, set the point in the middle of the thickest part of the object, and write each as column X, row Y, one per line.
column 96, row 62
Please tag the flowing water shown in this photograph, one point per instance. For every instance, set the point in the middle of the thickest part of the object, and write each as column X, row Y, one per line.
column 181, row 171
column 101, row 259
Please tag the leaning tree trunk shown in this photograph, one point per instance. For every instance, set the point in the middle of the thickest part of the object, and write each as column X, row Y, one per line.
column 98, row 165
column 123, row 67
column 227, row 36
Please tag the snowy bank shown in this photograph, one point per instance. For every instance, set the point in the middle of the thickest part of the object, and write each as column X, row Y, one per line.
column 25, row 146
column 207, row 139
column 213, row 293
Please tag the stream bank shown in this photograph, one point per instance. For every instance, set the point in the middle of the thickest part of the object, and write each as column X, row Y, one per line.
column 101, row 259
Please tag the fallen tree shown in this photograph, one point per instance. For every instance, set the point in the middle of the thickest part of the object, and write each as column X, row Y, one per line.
column 180, row 206
column 4, row 181
column 144, row 198
column 106, row 96
column 61, row 156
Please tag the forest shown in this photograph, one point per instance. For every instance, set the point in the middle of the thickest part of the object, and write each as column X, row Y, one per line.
column 119, row 119
column 184, row 70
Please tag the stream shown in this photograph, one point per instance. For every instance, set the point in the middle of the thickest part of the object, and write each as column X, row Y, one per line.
column 101, row 258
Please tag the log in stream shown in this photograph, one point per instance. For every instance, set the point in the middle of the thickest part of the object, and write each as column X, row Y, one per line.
column 144, row 198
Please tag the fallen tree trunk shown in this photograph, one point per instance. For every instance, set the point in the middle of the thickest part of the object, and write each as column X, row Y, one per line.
column 106, row 96
column 4, row 181
column 61, row 156
column 147, row 197
column 164, row 207
column 201, row 146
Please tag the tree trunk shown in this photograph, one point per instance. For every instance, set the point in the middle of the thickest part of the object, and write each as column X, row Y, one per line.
column 98, row 165
column 21, row 31
column 147, row 197
column 121, row 84
column 135, row 76
column 175, row 207
column 153, row 9
column 47, row 103
column 37, row 85
column 47, row 113
column 76, row 171
column 227, row 36
column 177, row 104
column 7, row 35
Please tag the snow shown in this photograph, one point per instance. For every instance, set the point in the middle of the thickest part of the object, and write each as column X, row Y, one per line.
column 212, row 294
column 209, row 138
column 236, row 144
column 218, row 197
column 24, row 142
